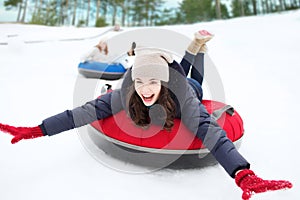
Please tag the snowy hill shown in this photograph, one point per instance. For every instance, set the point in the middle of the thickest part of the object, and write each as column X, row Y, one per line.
column 257, row 59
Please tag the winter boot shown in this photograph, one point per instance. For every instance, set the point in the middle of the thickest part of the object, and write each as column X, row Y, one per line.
column 205, row 36
column 203, row 49
column 198, row 43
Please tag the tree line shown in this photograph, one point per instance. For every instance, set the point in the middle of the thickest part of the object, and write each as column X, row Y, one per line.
column 138, row 12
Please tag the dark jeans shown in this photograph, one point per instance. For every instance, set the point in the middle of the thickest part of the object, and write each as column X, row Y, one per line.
column 197, row 71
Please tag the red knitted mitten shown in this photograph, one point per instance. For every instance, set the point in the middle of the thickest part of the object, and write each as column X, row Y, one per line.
column 20, row 133
column 250, row 183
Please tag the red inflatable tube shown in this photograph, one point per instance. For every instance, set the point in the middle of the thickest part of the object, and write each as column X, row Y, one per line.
column 120, row 129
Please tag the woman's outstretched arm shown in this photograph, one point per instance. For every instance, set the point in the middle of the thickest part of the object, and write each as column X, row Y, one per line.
column 91, row 111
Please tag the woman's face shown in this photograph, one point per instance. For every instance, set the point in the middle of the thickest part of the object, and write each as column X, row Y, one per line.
column 148, row 89
column 103, row 45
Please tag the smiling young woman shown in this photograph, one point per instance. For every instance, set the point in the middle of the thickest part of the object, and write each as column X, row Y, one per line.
column 157, row 81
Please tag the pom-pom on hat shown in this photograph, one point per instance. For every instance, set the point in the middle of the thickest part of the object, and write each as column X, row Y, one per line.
column 151, row 62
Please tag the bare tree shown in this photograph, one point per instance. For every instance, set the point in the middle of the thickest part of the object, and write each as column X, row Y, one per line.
column 218, row 9
column 114, row 11
column 88, row 13
column 74, row 12
column 61, row 13
column 267, row 6
column 242, row 11
column 64, row 6
column 19, row 11
column 123, row 7
column 35, row 7
column 254, row 5
column 24, row 11
column 66, row 10
column 97, row 10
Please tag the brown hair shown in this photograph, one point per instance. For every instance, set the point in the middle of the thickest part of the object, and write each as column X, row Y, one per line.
column 139, row 113
column 100, row 48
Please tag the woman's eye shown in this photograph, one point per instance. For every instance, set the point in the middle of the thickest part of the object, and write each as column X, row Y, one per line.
column 153, row 82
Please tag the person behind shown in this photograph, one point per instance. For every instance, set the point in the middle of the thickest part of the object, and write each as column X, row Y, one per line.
column 156, row 91
column 117, row 27
column 100, row 53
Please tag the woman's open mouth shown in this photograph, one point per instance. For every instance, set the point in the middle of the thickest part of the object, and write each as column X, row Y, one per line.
column 148, row 98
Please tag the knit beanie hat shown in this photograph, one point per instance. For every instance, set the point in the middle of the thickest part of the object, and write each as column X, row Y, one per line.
column 151, row 62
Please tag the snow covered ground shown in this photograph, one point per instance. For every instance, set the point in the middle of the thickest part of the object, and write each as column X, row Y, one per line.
column 257, row 59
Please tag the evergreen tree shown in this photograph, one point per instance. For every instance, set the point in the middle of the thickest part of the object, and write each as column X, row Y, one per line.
column 47, row 15
column 139, row 12
column 197, row 10
column 241, row 8
column 11, row 4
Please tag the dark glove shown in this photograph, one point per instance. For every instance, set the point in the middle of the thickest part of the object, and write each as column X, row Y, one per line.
column 250, row 183
column 131, row 52
column 20, row 133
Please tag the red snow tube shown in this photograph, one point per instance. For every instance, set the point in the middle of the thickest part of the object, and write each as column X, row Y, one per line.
column 120, row 129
